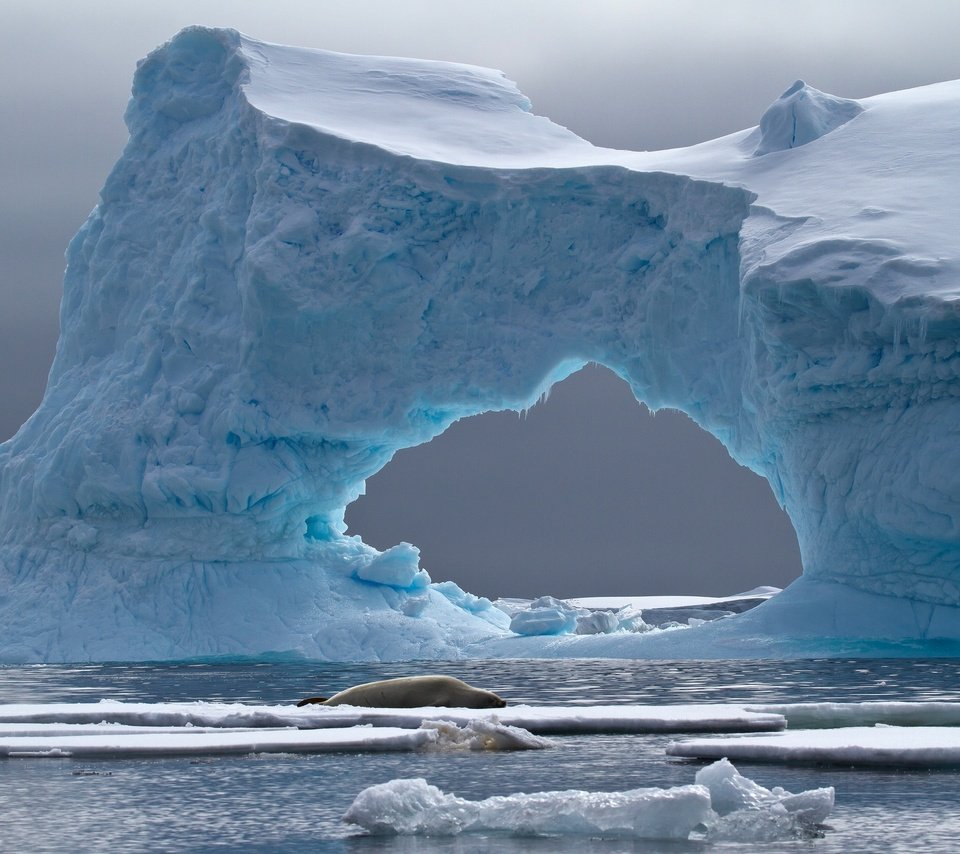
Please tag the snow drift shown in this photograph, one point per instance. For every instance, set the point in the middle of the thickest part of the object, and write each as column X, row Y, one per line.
column 305, row 261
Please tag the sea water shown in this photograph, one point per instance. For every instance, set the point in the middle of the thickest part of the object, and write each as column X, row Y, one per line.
column 295, row 802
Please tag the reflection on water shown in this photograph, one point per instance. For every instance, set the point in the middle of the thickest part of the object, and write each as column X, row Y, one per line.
column 295, row 803
column 574, row 681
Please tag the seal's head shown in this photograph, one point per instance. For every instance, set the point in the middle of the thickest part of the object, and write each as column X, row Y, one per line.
column 492, row 701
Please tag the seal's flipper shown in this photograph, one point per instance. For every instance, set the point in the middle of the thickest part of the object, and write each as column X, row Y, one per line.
column 311, row 701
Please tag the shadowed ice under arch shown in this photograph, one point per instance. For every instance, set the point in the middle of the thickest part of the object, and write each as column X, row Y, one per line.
column 586, row 492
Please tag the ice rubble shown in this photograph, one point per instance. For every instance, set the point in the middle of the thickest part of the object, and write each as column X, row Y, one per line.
column 600, row 615
column 305, row 261
column 721, row 806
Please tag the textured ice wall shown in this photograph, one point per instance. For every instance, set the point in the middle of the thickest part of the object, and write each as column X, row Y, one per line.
column 259, row 314
column 858, row 389
column 282, row 286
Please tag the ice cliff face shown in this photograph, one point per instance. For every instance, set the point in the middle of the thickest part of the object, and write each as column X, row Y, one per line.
column 305, row 261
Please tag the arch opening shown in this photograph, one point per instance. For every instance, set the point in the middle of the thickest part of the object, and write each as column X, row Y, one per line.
column 586, row 493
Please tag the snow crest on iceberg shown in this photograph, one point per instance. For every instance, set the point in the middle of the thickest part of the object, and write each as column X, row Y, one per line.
column 801, row 115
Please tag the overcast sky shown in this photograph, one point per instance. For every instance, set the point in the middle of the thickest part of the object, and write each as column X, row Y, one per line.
column 587, row 483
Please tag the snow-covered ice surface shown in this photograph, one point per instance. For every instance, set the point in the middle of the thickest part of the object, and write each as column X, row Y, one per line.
column 120, row 742
column 56, row 741
column 869, row 713
column 721, row 806
column 907, row 747
column 545, row 720
column 305, row 261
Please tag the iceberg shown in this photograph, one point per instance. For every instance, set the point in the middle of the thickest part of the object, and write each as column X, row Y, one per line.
column 305, row 261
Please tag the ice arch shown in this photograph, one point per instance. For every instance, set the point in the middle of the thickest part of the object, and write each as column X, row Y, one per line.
column 304, row 261
column 586, row 491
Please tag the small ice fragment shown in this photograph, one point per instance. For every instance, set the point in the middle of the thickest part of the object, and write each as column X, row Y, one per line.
column 484, row 734
column 731, row 791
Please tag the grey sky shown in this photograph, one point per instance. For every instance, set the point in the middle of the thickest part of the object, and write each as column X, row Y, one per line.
column 622, row 74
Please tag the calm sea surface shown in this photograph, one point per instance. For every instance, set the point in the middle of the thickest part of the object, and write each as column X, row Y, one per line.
column 295, row 803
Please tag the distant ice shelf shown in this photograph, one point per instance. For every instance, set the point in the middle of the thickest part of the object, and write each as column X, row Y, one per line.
column 305, row 261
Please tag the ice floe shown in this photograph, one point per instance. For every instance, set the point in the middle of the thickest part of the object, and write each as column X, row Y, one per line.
column 543, row 720
column 118, row 741
column 722, row 805
column 912, row 747
column 893, row 713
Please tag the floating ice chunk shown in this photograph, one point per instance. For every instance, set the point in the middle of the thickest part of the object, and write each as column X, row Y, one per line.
column 483, row 734
column 724, row 805
column 748, row 812
column 731, row 791
column 415, row 807
column 801, row 115
column 545, row 616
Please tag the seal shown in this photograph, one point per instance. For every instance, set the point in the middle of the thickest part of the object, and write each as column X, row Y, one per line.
column 412, row 692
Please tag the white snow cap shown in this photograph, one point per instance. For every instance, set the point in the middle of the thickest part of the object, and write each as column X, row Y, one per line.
column 801, row 115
